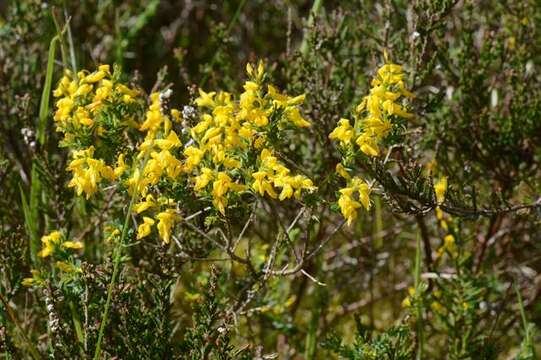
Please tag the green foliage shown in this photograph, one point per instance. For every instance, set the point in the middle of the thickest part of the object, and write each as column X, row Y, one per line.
column 394, row 344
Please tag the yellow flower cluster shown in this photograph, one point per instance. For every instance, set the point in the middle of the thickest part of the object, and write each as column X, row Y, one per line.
column 164, row 218
column 413, row 297
column 380, row 106
column 273, row 174
column 226, row 153
column 81, row 97
column 449, row 243
column 215, row 155
column 159, row 155
column 375, row 112
column 34, row 280
column 347, row 201
column 373, row 123
column 228, row 130
column 56, row 240
column 88, row 171
column 440, row 188
column 82, row 101
column 54, row 244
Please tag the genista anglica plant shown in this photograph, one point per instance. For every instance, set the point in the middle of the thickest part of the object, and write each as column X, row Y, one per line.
column 269, row 180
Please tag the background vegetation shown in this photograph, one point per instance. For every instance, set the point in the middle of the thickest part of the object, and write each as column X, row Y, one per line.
column 392, row 285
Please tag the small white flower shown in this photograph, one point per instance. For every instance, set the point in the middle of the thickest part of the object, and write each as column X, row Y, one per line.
column 188, row 111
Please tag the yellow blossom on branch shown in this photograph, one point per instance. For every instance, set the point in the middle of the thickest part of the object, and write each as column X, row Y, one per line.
column 440, row 188
column 349, row 203
column 145, row 228
column 166, row 221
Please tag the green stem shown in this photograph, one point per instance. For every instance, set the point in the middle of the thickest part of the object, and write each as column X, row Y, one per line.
column 45, row 95
column 117, row 255
column 59, row 35
column 71, row 48
column 76, row 323
column 527, row 333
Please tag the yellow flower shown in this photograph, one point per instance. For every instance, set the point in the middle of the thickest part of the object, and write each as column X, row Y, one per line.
column 377, row 127
column 154, row 116
column 193, row 157
column 364, row 191
column 145, row 228
column 406, row 303
column 203, row 179
column 120, row 168
column 166, row 221
column 88, row 172
column 260, row 70
column 49, row 242
column 449, row 243
column 440, row 188
column 439, row 213
column 341, row 170
column 65, row 267
column 221, row 184
column 171, row 141
column 83, row 90
column 95, row 76
column 348, row 204
column 144, row 205
column 133, row 182
column 34, row 280
column 394, row 109
column 220, row 187
column 64, row 107
column 262, row 185
column 438, row 307
column 28, row 282
column 205, row 99
column 286, row 193
column 343, row 132
column 113, row 233
column 72, row 245
column 368, row 144
column 294, row 115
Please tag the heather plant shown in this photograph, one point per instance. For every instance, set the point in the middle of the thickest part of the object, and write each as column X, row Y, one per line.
column 260, row 180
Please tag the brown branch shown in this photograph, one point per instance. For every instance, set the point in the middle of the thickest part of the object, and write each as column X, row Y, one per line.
column 426, row 241
column 495, row 223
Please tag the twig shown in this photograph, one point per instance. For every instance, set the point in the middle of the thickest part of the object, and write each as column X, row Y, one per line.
column 313, row 278
column 426, row 241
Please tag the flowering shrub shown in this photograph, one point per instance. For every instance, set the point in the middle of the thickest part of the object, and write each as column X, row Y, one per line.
column 376, row 117
column 367, row 190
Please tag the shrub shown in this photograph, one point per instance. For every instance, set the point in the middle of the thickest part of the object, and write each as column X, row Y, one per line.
column 257, row 180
